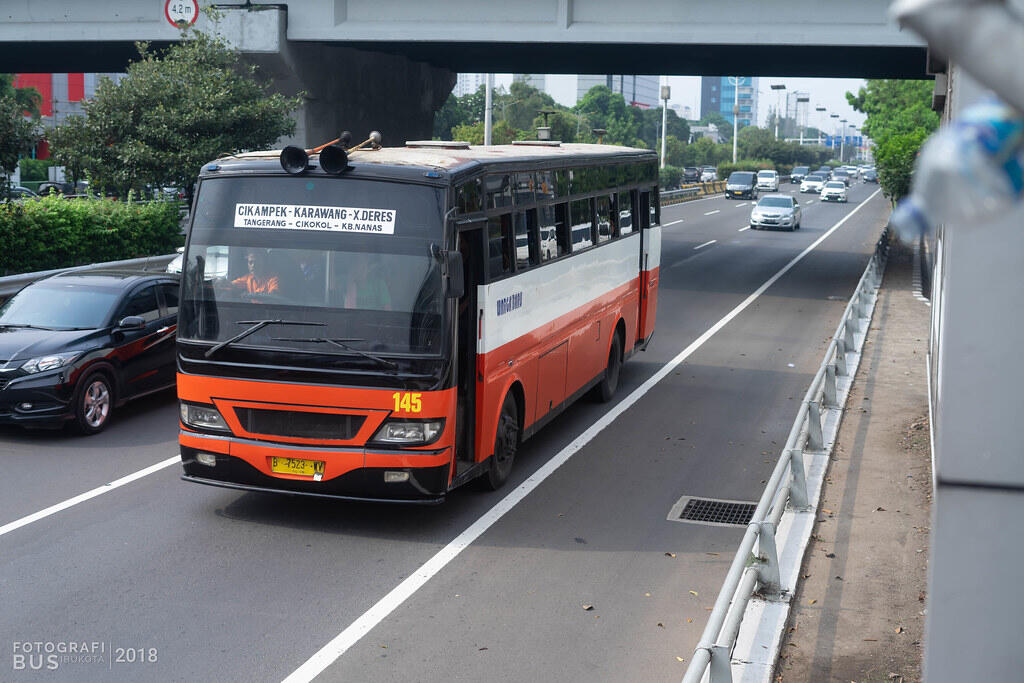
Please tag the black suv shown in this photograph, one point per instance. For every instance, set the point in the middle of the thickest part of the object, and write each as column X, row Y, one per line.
column 691, row 174
column 76, row 345
column 798, row 174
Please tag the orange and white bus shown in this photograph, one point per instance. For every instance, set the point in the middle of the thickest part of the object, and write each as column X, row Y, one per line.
column 393, row 325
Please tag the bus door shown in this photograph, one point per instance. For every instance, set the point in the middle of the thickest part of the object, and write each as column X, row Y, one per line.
column 647, row 219
column 470, row 243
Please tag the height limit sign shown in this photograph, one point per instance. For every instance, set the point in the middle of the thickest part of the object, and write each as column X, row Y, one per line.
column 181, row 13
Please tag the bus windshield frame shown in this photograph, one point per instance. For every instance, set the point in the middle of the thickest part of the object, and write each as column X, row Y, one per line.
column 361, row 272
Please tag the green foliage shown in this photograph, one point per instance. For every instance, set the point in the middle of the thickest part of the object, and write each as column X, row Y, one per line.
column 18, row 136
column 34, row 170
column 724, row 125
column 650, row 127
column 669, row 177
column 501, row 133
column 602, row 108
column 899, row 119
column 28, row 99
column 895, row 162
column 173, row 112
column 54, row 232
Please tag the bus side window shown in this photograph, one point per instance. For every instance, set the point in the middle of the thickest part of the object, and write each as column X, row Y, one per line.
column 545, row 185
column 624, row 209
column 469, row 196
column 526, row 239
column 550, row 245
column 655, row 207
column 562, row 182
column 498, row 191
column 604, row 218
column 524, row 189
column 562, row 230
column 499, row 246
column 582, row 215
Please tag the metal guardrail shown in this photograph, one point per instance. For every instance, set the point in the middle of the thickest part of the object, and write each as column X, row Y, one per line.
column 688, row 192
column 10, row 284
column 787, row 485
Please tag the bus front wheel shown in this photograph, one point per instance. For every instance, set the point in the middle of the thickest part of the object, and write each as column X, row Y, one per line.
column 610, row 382
column 506, row 443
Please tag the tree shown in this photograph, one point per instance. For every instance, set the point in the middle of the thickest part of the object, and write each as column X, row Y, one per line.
column 173, row 112
column 28, row 99
column 18, row 136
column 473, row 133
column 724, row 125
column 602, row 108
column 899, row 119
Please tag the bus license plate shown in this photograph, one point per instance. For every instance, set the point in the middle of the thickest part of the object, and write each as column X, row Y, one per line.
column 309, row 468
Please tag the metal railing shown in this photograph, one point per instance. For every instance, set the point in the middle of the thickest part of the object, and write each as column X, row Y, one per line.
column 10, row 284
column 749, row 571
column 688, row 192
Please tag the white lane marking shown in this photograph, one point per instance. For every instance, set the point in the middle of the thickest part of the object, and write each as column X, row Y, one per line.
column 811, row 201
column 82, row 497
column 340, row 644
column 745, row 227
column 709, row 213
column 701, row 246
column 665, row 225
column 741, row 204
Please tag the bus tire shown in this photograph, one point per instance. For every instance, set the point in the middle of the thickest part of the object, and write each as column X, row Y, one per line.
column 506, row 443
column 610, row 382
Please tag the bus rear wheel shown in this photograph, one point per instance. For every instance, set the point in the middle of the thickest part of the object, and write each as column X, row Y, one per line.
column 610, row 382
column 506, row 443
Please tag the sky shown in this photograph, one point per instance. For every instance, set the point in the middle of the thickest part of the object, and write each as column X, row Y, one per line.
column 827, row 92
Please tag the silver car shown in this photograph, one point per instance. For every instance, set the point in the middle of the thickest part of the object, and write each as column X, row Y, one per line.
column 776, row 211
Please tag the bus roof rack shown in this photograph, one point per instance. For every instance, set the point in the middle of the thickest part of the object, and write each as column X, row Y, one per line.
column 443, row 144
column 538, row 143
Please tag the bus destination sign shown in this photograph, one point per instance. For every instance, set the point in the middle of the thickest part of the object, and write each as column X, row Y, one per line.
column 323, row 218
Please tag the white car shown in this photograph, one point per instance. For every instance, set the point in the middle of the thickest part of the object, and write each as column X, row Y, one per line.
column 768, row 180
column 834, row 191
column 776, row 211
column 708, row 175
column 812, row 183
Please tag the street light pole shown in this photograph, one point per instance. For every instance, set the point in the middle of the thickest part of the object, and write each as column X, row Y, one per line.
column 834, row 116
column 735, row 81
column 778, row 88
column 802, row 124
column 666, row 92
column 821, row 109
column 842, row 143
column 488, row 108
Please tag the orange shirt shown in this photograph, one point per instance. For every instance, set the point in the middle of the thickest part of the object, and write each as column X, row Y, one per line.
column 256, row 285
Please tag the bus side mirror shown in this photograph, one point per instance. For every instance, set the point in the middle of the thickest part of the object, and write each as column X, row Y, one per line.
column 456, row 282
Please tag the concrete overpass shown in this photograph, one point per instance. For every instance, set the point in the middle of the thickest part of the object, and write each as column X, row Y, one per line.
column 400, row 56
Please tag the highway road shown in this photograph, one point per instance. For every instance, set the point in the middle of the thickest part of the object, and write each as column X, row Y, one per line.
column 579, row 576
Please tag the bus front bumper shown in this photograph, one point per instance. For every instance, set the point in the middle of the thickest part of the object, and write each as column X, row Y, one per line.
column 398, row 483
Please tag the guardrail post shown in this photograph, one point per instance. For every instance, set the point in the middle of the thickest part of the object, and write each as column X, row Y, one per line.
column 814, row 439
column 721, row 664
column 798, row 482
column 829, row 394
column 848, row 333
column 768, row 569
column 841, row 357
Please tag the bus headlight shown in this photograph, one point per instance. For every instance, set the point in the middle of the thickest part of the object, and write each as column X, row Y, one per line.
column 409, row 432
column 202, row 417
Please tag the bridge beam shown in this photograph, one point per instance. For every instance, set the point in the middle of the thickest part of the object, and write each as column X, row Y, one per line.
column 344, row 88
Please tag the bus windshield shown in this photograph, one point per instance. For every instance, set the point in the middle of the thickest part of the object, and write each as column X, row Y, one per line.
column 352, row 259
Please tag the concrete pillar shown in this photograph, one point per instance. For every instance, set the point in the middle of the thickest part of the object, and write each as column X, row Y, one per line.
column 344, row 88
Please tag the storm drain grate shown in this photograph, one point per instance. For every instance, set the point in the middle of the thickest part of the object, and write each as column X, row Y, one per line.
column 711, row 511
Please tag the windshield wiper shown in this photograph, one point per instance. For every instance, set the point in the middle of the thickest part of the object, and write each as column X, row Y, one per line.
column 26, row 326
column 257, row 325
column 340, row 343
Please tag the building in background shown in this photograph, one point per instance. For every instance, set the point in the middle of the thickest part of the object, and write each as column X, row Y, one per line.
column 467, row 84
column 538, row 81
column 638, row 91
column 717, row 95
column 62, row 95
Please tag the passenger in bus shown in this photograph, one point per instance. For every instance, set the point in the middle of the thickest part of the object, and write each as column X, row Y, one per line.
column 367, row 286
column 258, row 280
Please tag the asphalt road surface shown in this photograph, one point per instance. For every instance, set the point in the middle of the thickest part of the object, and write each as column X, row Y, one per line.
column 582, row 578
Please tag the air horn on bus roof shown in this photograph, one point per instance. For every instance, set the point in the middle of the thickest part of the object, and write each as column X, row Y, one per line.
column 333, row 155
